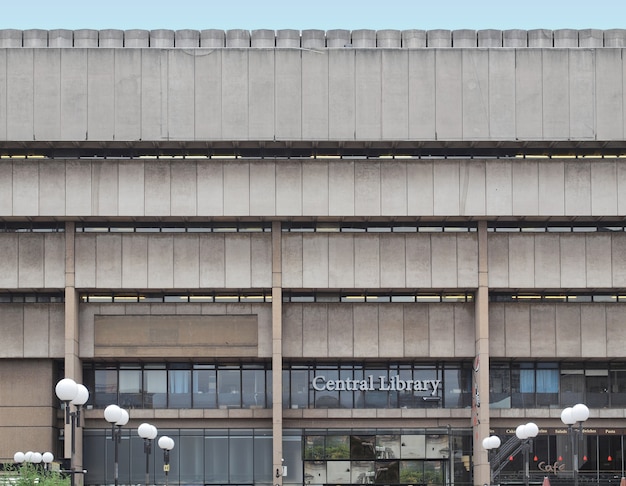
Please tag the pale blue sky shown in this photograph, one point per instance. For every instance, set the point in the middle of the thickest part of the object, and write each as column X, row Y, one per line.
column 312, row 14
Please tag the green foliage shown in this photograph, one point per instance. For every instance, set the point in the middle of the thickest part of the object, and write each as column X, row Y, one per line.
column 28, row 474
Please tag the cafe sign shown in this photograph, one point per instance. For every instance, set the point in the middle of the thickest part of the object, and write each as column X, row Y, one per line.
column 370, row 383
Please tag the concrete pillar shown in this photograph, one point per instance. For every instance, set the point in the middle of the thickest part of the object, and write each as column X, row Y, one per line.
column 540, row 38
column 364, row 38
column 237, row 38
column 480, row 381
column 212, row 38
column 288, row 38
column 514, row 38
column 464, row 38
column 10, row 38
column 277, row 354
column 489, row 38
column 35, row 38
column 615, row 38
column 162, row 38
column 338, row 38
column 60, row 38
column 439, row 38
column 590, row 38
column 413, row 38
column 136, row 38
column 86, row 38
column 313, row 39
column 263, row 38
column 187, row 38
column 389, row 38
column 565, row 38
column 111, row 38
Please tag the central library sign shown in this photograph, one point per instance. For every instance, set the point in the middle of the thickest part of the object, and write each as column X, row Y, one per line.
column 372, row 383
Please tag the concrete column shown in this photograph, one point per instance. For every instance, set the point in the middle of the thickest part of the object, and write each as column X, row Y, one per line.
column 489, row 38
column 389, row 38
column 364, row 38
column 590, row 38
column 288, row 38
column 237, row 38
column 86, row 38
column 212, row 38
column 136, row 38
column 565, row 38
column 480, row 385
column 162, row 38
column 187, row 38
column 413, row 38
column 464, row 38
column 111, row 38
column 338, row 38
column 10, row 38
column 615, row 38
column 313, row 39
column 540, row 38
column 277, row 354
column 73, row 367
column 60, row 38
column 35, row 38
column 263, row 38
column 439, row 38
column 514, row 38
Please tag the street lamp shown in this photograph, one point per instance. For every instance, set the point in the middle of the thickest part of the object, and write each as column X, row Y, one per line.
column 490, row 444
column 571, row 416
column 526, row 433
column 167, row 444
column 148, row 433
column 47, row 458
column 117, row 417
column 72, row 393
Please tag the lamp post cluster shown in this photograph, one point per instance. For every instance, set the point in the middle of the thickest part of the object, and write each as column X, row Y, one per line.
column 76, row 394
column 34, row 458
column 117, row 417
column 571, row 416
column 524, row 435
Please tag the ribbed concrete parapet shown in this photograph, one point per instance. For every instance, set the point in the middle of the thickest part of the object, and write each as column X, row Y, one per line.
column 389, row 38
column 212, row 38
column 237, row 38
column 162, row 38
column 413, row 39
column 111, row 38
column 187, row 38
column 10, row 38
column 86, row 38
column 338, row 38
column 314, row 38
column 263, row 38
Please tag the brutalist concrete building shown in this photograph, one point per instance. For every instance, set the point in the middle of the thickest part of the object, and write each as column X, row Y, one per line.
column 315, row 257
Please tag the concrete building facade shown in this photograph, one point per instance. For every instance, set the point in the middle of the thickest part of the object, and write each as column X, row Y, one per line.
column 314, row 257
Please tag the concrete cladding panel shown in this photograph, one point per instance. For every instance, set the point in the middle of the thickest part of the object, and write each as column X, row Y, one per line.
column 103, row 94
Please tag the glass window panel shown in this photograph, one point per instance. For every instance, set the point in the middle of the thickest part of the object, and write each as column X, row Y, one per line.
column 618, row 387
column 204, row 388
column 253, row 384
column 263, row 457
column 241, row 470
column 346, row 398
column 572, row 385
column 314, row 472
column 292, row 453
column 130, row 388
column 362, row 472
column 327, row 398
column 155, row 388
column 597, row 388
column 105, row 387
column 458, row 387
column 434, row 473
column 548, row 387
column 377, row 398
column 338, row 447
column 363, row 447
column 437, row 446
column 387, row 447
column 138, row 459
column 94, row 454
column 179, row 388
column 314, row 447
column 412, row 446
column 338, row 472
column 387, row 472
column 216, row 459
column 229, row 388
column 299, row 388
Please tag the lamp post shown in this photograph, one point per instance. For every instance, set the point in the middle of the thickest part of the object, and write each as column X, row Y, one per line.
column 571, row 416
column 167, row 444
column 117, row 417
column 72, row 393
column 526, row 433
column 148, row 433
column 490, row 444
column 47, row 458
